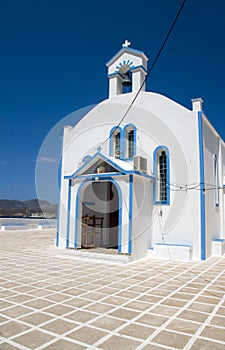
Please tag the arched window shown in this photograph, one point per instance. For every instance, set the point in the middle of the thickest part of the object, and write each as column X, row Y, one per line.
column 130, row 141
column 116, row 138
column 162, row 175
column 216, row 180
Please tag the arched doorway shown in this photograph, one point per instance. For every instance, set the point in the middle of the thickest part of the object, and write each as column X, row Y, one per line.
column 100, row 212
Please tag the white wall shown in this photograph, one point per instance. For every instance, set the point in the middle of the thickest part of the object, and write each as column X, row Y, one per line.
column 159, row 121
column 212, row 212
column 222, row 192
column 142, row 216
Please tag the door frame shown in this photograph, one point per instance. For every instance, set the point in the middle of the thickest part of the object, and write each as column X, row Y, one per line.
column 78, row 210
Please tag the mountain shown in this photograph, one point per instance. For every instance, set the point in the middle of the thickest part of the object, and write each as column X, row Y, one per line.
column 32, row 207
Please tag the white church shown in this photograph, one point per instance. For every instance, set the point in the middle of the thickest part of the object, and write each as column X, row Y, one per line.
column 141, row 174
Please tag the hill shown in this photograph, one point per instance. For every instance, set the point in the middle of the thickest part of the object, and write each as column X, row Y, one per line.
column 31, row 208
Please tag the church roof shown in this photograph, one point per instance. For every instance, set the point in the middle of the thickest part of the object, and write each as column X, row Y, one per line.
column 114, row 166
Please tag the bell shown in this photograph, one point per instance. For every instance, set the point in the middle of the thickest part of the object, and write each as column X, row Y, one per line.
column 126, row 80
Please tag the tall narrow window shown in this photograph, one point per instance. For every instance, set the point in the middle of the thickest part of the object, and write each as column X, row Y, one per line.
column 162, row 180
column 216, row 181
column 129, row 141
column 115, row 148
column 162, row 175
column 117, row 138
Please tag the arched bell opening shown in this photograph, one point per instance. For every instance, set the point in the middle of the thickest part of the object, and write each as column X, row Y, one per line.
column 126, row 76
column 127, row 83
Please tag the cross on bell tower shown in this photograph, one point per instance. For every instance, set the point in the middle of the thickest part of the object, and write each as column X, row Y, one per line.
column 127, row 68
column 126, row 43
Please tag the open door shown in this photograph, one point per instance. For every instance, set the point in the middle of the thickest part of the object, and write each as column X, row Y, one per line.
column 100, row 215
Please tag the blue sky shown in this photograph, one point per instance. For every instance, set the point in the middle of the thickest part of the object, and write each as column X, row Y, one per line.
column 52, row 62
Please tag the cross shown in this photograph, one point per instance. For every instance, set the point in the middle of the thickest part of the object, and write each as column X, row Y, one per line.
column 99, row 148
column 126, row 43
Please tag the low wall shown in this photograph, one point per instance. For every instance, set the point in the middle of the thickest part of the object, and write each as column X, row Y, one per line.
column 25, row 227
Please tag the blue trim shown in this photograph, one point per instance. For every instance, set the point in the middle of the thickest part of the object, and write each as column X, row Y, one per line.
column 120, row 215
column 59, row 194
column 130, row 125
column 112, row 163
column 85, row 165
column 109, row 161
column 86, row 158
column 218, row 240
column 159, row 148
column 106, row 175
column 144, row 175
column 120, row 212
column 137, row 67
column 77, row 212
column 174, row 245
column 202, row 186
column 88, row 163
column 132, row 68
column 130, row 213
column 100, row 176
column 68, row 213
column 111, row 141
column 124, row 49
column 115, row 74
column 128, row 62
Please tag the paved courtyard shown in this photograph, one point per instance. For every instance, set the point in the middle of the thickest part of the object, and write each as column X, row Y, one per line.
column 53, row 299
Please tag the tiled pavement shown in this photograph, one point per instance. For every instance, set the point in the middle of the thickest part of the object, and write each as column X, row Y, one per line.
column 52, row 299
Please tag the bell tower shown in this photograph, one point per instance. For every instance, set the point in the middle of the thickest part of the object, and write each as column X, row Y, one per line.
column 126, row 70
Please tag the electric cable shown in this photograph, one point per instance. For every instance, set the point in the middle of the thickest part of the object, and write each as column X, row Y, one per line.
column 150, row 70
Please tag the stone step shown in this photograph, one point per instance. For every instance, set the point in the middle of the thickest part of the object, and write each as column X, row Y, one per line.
column 95, row 256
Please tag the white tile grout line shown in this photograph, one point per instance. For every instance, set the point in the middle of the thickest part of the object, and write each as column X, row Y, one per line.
column 126, row 288
column 153, row 306
column 202, row 327
column 72, row 312
column 181, row 310
column 47, row 322
column 128, row 322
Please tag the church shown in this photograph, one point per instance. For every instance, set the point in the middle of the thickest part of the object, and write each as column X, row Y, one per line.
column 141, row 174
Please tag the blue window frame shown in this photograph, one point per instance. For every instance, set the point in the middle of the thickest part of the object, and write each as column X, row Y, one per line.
column 122, row 144
column 116, row 142
column 130, row 135
column 161, row 168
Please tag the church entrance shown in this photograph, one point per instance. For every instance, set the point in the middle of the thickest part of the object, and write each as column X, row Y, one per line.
column 100, row 215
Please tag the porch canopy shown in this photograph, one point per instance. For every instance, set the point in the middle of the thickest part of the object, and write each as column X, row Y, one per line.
column 111, row 189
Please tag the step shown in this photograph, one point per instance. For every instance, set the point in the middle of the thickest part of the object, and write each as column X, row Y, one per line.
column 94, row 256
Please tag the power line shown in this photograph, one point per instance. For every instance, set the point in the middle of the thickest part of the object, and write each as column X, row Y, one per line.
column 151, row 68
column 186, row 188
